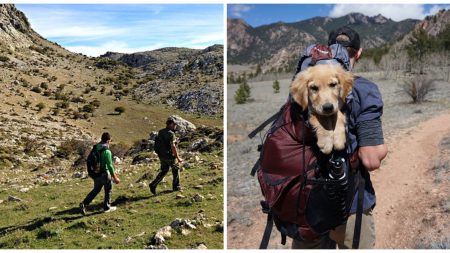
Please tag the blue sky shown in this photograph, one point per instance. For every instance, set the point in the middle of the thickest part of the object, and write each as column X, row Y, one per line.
column 95, row 29
column 261, row 14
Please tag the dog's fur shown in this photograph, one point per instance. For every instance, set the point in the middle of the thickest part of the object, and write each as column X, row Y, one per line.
column 322, row 90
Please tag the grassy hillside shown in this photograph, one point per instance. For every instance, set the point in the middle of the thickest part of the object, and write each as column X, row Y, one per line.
column 48, row 216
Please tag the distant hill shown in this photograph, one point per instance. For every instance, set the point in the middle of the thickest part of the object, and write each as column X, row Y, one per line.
column 190, row 79
column 272, row 45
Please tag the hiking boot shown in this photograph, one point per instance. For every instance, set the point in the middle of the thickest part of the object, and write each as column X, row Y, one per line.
column 152, row 189
column 82, row 208
column 178, row 188
column 111, row 209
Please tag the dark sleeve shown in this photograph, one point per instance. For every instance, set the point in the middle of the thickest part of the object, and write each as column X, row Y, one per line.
column 171, row 136
column 369, row 109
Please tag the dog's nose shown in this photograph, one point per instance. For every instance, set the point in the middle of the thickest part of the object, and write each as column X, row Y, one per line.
column 328, row 107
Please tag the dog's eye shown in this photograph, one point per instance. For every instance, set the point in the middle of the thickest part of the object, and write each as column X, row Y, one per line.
column 333, row 84
column 314, row 88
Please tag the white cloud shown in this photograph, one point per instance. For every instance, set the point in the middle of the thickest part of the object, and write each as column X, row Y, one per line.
column 238, row 9
column 435, row 8
column 112, row 46
column 396, row 12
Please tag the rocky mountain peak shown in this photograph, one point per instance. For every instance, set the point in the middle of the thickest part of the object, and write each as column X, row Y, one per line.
column 15, row 30
column 435, row 24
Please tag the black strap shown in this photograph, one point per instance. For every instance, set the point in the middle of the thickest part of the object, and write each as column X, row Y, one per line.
column 283, row 239
column 265, row 123
column 255, row 168
column 359, row 212
column 267, row 232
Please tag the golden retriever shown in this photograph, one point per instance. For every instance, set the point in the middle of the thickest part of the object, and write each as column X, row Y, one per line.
column 322, row 90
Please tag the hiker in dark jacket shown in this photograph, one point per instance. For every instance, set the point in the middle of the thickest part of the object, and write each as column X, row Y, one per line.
column 104, row 179
column 167, row 156
column 366, row 144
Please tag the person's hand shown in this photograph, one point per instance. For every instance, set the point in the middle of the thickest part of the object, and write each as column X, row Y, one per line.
column 179, row 160
column 116, row 179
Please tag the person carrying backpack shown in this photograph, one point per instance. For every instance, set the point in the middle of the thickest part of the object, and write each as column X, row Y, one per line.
column 366, row 143
column 167, row 152
column 101, row 157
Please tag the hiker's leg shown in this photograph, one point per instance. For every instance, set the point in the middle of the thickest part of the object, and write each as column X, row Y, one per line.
column 315, row 244
column 164, row 169
column 176, row 177
column 97, row 188
column 322, row 243
column 108, row 191
column 343, row 235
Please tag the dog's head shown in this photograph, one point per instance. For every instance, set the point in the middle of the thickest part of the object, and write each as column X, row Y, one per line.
column 322, row 88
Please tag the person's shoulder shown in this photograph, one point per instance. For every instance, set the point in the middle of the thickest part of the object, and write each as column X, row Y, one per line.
column 363, row 85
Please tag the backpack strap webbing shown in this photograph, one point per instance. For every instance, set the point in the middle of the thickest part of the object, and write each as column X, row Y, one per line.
column 265, row 123
column 359, row 212
column 269, row 225
column 255, row 167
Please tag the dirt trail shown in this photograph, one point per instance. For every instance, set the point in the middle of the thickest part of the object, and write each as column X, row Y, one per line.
column 407, row 197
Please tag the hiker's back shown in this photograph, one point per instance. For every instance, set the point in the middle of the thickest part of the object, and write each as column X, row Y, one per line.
column 163, row 143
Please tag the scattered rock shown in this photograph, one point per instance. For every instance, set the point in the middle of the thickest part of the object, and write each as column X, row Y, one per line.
column 197, row 198
column 130, row 186
column 185, row 232
column 24, row 190
column 79, row 174
column 198, row 144
column 104, row 236
column 202, row 246
column 162, row 246
column 52, row 208
column 128, row 239
column 196, row 158
column 210, row 197
column 219, row 227
column 198, row 187
column 179, row 196
column 187, row 165
column 117, row 160
column 1, row 201
column 14, row 198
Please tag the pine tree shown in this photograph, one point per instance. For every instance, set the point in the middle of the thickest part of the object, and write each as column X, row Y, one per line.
column 276, row 86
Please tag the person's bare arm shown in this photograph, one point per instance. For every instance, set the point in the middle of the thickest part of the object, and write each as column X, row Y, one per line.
column 371, row 156
column 175, row 152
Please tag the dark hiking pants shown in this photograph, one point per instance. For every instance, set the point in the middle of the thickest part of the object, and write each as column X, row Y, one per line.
column 104, row 180
column 165, row 166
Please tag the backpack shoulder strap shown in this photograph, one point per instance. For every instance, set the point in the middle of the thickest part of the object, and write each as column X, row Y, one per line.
column 265, row 123
column 269, row 225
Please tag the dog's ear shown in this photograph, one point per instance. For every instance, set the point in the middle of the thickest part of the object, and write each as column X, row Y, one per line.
column 346, row 79
column 299, row 88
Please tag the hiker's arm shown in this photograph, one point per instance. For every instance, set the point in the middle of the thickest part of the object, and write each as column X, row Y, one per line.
column 175, row 151
column 369, row 132
column 110, row 166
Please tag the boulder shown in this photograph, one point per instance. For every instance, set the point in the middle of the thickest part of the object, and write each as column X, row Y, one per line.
column 197, row 198
column 14, row 198
column 183, row 126
column 117, row 160
column 198, row 144
column 202, row 246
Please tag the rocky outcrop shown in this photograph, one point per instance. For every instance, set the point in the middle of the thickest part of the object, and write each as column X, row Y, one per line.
column 15, row 29
column 265, row 44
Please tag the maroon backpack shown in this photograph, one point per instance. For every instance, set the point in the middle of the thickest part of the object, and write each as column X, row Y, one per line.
column 306, row 193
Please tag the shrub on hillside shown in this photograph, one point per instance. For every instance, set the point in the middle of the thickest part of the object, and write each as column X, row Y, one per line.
column 40, row 106
column 36, row 89
column 119, row 109
column 418, row 88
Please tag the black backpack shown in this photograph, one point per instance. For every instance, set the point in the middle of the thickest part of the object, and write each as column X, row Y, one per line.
column 93, row 162
column 161, row 147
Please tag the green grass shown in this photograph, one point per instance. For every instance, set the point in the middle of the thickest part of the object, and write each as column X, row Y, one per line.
column 49, row 216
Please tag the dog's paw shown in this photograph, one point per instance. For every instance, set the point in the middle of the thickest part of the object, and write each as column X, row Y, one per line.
column 339, row 140
column 325, row 145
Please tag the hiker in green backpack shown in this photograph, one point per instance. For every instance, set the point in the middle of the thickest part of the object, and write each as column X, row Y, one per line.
column 105, row 178
column 165, row 147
